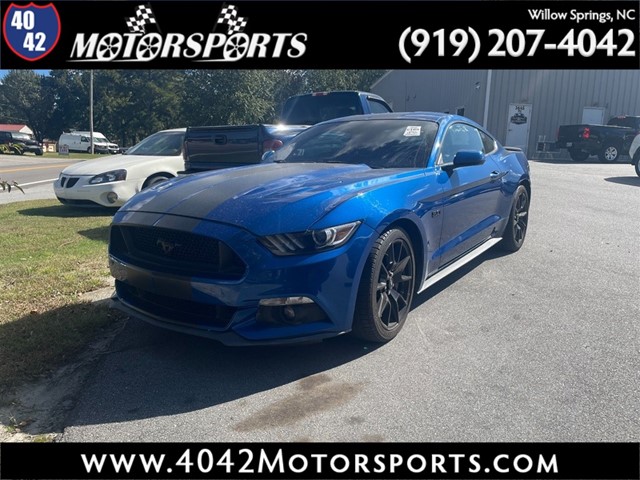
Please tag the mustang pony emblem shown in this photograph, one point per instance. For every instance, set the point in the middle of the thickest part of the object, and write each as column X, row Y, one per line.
column 166, row 246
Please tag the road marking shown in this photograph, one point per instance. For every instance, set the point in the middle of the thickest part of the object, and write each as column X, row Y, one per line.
column 44, row 167
column 36, row 183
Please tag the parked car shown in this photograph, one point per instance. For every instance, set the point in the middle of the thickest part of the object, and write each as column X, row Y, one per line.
column 634, row 153
column 19, row 142
column 351, row 219
column 111, row 181
column 81, row 142
column 608, row 141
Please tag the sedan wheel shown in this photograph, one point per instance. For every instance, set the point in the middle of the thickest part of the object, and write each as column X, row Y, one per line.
column 516, row 228
column 386, row 289
column 636, row 162
column 155, row 179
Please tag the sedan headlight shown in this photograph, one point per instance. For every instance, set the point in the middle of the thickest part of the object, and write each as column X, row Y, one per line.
column 112, row 176
column 309, row 241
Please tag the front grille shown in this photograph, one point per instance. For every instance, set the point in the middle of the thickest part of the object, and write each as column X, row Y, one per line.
column 72, row 181
column 177, row 310
column 175, row 251
column 63, row 181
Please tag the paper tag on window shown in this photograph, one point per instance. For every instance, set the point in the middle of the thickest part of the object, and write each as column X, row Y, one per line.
column 412, row 131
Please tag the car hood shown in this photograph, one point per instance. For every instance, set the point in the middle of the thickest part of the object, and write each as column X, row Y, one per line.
column 102, row 165
column 264, row 199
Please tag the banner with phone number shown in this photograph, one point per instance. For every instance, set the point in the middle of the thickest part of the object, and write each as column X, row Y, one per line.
column 385, row 34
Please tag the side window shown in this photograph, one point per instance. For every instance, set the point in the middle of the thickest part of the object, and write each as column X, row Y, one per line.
column 84, row 139
column 459, row 136
column 377, row 107
column 488, row 143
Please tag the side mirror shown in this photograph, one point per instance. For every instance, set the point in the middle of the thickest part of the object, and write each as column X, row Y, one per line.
column 268, row 156
column 467, row 158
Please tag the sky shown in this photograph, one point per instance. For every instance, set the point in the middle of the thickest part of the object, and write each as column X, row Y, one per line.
column 41, row 72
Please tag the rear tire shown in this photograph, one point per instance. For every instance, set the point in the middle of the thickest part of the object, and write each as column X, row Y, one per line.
column 516, row 229
column 636, row 162
column 386, row 288
column 609, row 154
column 578, row 155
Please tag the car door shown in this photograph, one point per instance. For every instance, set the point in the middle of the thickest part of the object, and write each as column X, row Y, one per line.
column 471, row 193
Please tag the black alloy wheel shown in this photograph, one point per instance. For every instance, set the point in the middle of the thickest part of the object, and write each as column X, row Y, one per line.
column 516, row 229
column 386, row 289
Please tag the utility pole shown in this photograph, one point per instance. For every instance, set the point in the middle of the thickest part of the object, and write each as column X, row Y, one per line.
column 91, row 108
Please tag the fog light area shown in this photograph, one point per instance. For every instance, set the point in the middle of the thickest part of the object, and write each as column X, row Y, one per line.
column 112, row 197
column 289, row 311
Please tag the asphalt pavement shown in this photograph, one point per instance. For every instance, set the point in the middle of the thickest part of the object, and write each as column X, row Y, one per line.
column 34, row 174
column 541, row 345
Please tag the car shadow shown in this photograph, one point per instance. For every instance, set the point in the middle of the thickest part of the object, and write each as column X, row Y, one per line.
column 65, row 211
column 99, row 233
column 149, row 372
column 453, row 277
column 635, row 181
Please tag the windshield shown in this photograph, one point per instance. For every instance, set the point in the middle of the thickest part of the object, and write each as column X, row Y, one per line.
column 22, row 136
column 160, row 143
column 379, row 143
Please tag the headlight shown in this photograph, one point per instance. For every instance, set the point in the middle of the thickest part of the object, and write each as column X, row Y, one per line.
column 309, row 241
column 112, row 176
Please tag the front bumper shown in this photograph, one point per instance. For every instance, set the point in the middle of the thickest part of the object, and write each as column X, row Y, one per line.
column 76, row 190
column 229, row 311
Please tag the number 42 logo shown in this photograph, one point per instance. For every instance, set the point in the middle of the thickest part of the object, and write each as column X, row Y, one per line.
column 31, row 31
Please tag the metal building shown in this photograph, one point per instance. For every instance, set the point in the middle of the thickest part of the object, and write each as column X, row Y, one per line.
column 523, row 108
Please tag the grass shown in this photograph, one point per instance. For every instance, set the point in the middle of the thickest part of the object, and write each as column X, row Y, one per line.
column 73, row 156
column 50, row 255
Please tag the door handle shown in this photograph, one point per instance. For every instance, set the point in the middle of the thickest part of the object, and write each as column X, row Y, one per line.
column 495, row 175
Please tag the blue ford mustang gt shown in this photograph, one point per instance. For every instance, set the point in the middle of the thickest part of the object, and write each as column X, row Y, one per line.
column 348, row 221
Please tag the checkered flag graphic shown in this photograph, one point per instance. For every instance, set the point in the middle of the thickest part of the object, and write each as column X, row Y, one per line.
column 144, row 16
column 229, row 16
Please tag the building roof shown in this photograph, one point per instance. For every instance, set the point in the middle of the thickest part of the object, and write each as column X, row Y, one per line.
column 11, row 127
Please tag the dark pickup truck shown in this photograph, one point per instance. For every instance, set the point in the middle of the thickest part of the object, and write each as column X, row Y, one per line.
column 608, row 141
column 212, row 148
column 215, row 147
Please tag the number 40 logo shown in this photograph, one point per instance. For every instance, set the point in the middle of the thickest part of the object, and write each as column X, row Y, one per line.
column 32, row 31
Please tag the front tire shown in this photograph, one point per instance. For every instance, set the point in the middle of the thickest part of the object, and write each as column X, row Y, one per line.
column 155, row 179
column 516, row 229
column 636, row 162
column 386, row 288
column 609, row 154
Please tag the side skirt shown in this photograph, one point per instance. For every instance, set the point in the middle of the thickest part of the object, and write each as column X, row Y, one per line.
column 476, row 252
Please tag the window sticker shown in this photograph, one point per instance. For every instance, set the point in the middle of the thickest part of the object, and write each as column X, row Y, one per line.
column 412, row 131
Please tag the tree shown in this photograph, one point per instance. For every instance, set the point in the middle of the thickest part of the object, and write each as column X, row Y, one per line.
column 219, row 97
column 26, row 97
